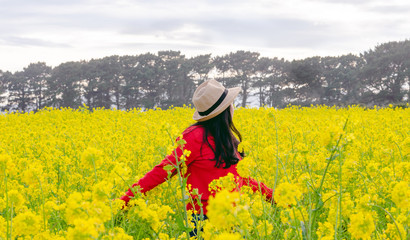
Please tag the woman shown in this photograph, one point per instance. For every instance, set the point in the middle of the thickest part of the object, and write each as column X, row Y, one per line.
column 213, row 147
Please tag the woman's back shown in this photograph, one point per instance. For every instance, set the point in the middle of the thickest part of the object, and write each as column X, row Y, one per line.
column 201, row 169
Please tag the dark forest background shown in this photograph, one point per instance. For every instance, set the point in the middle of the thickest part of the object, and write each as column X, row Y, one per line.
column 379, row 76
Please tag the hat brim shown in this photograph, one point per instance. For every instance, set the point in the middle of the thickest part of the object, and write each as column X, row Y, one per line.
column 230, row 97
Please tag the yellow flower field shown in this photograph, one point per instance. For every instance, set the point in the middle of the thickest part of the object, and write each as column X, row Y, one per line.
column 336, row 174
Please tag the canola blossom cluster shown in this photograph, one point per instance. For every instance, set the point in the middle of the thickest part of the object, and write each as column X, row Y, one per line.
column 337, row 173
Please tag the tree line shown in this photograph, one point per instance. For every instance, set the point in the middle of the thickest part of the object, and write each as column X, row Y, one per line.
column 378, row 76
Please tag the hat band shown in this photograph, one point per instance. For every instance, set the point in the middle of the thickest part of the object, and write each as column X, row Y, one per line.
column 221, row 98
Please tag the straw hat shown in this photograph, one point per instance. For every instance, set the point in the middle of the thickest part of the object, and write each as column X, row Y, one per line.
column 211, row 98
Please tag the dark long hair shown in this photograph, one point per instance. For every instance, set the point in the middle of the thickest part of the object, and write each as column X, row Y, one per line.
column 222, row 128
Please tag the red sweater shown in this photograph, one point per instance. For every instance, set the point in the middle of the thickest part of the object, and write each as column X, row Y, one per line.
column 201, row 169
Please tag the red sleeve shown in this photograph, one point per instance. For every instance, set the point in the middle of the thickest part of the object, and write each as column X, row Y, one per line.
column 258, row 186
column 158, row 174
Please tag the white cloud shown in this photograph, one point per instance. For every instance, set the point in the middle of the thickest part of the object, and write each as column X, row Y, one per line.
column 57, row 31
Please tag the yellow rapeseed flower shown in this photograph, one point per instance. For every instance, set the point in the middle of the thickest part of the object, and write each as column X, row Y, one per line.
column 4, row 161
column 228, row 236
column 221, row 209
column 91, row 158
column 326, row 231
column 362, row 225
column 3, row 228
column 15, row 199
column 227, row 182
column 287, row 194
column 117, row 234
column 264, row 228
column 401, row 195
column 396, row 231
column 246, row 167
column 102, row 191
column 2, row 204
column 27, row 224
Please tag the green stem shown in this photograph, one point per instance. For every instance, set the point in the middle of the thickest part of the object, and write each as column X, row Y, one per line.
column 319, row 190
column 95, row 171
column 11, row 221
column 394, row 221
column 327, row 165
column 42, row 199
column 401, row 155
column 339, row 213
column 112, row 216
column 277, row 155
column 181, row 184
column 7, row 202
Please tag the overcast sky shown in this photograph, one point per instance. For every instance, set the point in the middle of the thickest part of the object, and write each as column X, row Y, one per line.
column 55, row 31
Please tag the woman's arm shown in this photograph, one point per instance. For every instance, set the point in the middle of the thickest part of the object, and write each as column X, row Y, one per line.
column 152, row 178
column 158, row 174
